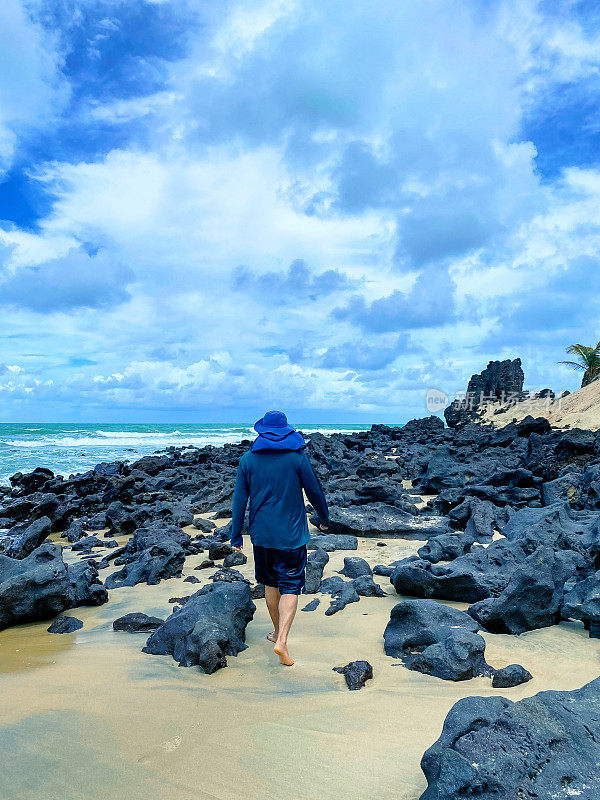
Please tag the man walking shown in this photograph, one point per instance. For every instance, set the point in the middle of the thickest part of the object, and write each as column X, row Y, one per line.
column 272, row 475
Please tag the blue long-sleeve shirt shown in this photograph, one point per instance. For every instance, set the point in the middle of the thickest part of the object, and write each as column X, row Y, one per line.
column 273, row 481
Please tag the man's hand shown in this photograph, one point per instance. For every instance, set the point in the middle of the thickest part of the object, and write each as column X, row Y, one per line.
column 323, row 528
column 237, row 549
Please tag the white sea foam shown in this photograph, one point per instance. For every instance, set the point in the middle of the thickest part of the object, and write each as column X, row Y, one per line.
column 67, row 449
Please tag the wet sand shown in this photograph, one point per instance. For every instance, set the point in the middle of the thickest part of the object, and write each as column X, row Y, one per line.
column 88, row 715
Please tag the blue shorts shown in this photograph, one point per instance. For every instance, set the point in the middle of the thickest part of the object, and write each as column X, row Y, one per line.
column 283, row 569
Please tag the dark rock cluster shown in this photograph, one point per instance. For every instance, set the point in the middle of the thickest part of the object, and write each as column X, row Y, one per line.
column 544, row 746
column 509, row 525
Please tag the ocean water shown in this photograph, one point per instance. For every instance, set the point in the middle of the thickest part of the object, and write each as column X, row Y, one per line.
column 70, row 448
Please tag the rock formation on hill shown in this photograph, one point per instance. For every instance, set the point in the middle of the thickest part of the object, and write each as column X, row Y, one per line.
column 500, row 380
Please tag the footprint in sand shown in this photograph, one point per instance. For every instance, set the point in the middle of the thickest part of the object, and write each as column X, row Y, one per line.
column 168, row 747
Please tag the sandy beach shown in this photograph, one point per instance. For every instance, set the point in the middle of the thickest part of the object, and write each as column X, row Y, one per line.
column 88, row 715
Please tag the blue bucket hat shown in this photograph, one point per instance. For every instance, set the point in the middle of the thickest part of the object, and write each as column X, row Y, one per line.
column 276, row 434
column 273, row 422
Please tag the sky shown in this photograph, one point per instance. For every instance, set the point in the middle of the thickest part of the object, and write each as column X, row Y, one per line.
column 209, row 208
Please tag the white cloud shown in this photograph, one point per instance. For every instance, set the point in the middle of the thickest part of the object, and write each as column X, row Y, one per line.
column 32, row 89
column 381, row 140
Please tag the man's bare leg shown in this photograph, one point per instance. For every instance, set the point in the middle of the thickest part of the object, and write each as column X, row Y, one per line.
column 288, row 604
column 272, row 597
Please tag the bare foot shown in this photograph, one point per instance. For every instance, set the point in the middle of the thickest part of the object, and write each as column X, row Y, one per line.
column 284, row 656
column 272, row 637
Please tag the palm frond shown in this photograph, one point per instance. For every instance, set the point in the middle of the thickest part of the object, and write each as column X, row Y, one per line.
column 575, row 364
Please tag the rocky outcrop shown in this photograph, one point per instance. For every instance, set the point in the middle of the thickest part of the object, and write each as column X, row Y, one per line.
column 26, row 537
column 40, row 586
column 545, row 746
column 582, row 602
column 379, row 519
column 500, row 380
column 532, row 597
column 436, row 640
column 208, row 628
column 154, row 553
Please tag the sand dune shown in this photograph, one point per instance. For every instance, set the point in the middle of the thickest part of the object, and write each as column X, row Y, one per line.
column 580, row 409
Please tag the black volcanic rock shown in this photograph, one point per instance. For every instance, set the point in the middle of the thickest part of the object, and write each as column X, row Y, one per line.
column 26, row 537
column 354, row 567
column 332, row 541
column 545, row 746
column 500, row 380
column 315, row 564
column 137, row 622
column 209, row 627
column 65, row 624
column 154, row 553
column 512, row 675
column 446, row 547
column 342, row 592
column 531, row 599
column 356, row 673
column 379, row 519
column 435, row 639
column 582, row 602
column 235, row 559
column 40, row 586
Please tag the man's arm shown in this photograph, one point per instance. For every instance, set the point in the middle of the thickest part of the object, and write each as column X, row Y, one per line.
column 313, row 488
column 240, row 500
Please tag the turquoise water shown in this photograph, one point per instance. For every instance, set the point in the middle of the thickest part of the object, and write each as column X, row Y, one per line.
column 69, row 448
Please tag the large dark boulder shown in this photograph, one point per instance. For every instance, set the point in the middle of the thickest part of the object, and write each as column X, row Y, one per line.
column 446, row 547
column 17, row 510
column 33, row 588
column 379, row 519
column 444, row 471
column 533, row 425
column 560, row 527
column 575, row 442
column 354, row 567
column 365, row 586
column 512, row 675
column 545, row 746
column 531, row 599
column 159, row 562
column 564, row 489
column 582, row 602
column 481, row 573
column 208, row 628
column 86, row 587
column 31, row 481
column 40, row 586
column 119, row 518
column 436, row 639
column 26, row 537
